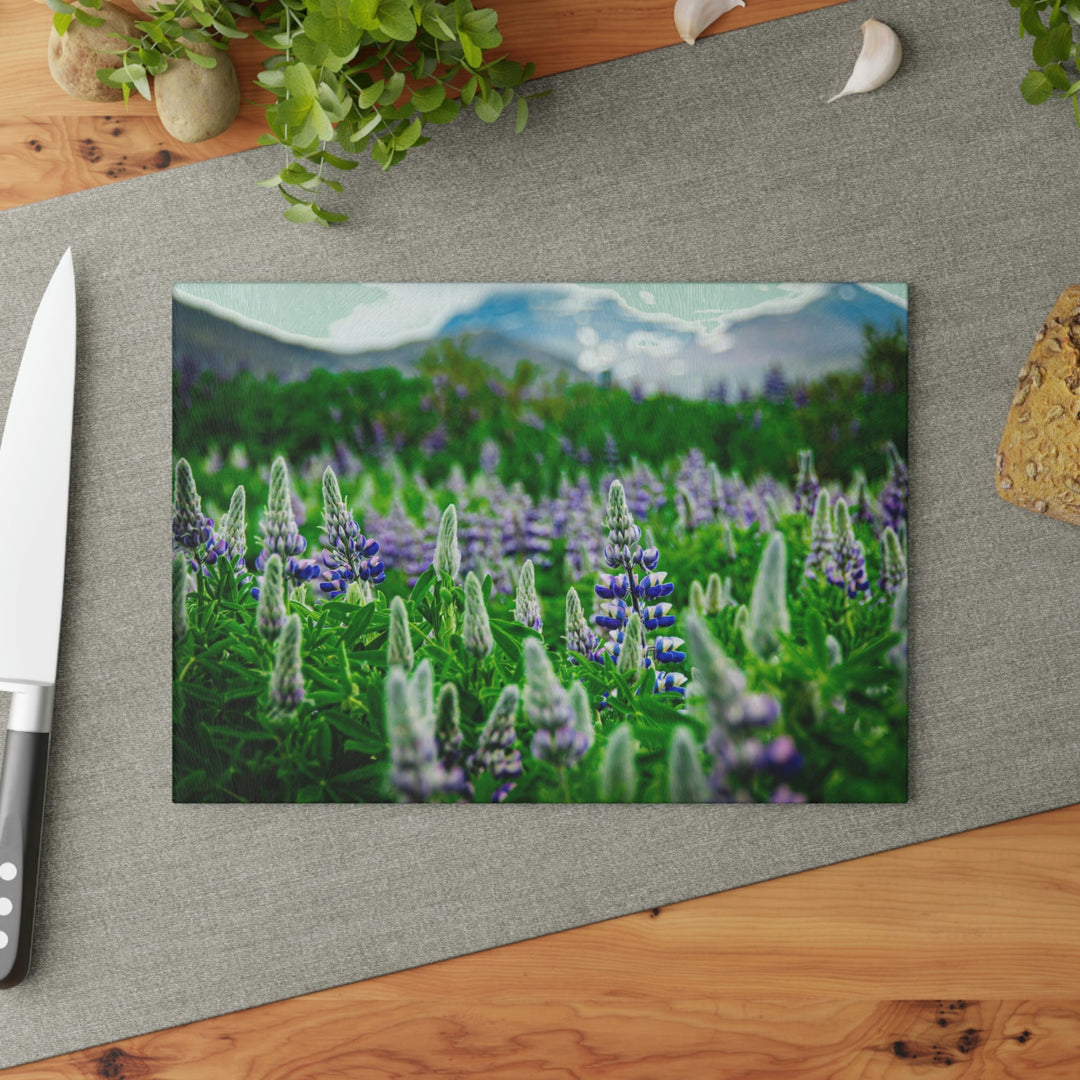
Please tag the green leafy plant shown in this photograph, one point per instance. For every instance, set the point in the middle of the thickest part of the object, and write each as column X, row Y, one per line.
column 1054, row 50
column 348, row 76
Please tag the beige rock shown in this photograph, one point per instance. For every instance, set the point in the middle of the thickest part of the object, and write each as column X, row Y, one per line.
column 196, row 103
column 75, row 57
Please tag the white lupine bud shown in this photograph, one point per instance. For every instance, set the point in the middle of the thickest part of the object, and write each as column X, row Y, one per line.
column 399, row 648
column 769, row 616
column 686, row 778
column 447, row 553
column 618, row 776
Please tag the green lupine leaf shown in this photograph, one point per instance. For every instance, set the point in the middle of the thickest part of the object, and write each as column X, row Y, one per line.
column 522, row 116
column 61, row 20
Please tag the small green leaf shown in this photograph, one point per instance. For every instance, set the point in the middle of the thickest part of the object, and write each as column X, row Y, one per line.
column 522, row 116
column 298, row 81
column 301, row 213
column 479, row 22
column 1036, row 88
column 202, row 61
column 61, row 7
column 1030, row 20
column 470, row 50
column 271, row 80
column 1057, row 76
column 329, row 215
column 487, row 108
column 409, row 136
column 468, row 91
column 394, row 85
column 367, row 97
column 1053, row 45
column 88, row 20
column 428, row 98
column 446, row 112
column 225, row 30
column 62, row 21
column 367, row 128
column 396, row 20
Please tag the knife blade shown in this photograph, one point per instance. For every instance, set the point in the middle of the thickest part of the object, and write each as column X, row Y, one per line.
column 35, row 462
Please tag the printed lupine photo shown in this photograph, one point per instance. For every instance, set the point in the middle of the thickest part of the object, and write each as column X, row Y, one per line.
column 489, row 544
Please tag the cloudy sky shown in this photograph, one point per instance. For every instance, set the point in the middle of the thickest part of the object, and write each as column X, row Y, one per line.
column 358, row 317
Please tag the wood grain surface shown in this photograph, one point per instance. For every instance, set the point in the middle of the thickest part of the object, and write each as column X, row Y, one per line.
column 958, row 957
column 52, row 144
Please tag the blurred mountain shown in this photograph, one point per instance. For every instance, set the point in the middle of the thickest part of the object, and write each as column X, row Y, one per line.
column 817, row 329
column 203, row 341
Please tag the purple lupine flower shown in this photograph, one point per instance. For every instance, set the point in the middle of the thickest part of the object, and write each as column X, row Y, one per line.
column 775, row 388
column 475, row 626
column 784, row 794
column 180, row 586
column 781, row 757
column 502, row 792
column 581, row 640
column 348, row 555
column 893, row 563
column 558, row 737
column 806, row 486
column 801, row 397
column 611, row 450
column 271, row 611
column 860, row 506
column 448, row 735
column 526, row 602
column 821, row 537
column 234, row 531
column 496, row 751
column 847, row 567
column 193, row 531
column 894, row 495
column 526, row 534
column 435, row 441
column 286, row 678
column 624, row 593
column 733, row 715
column 280, row 533
column 490, row 456
column 401, row 542
column 416, row 772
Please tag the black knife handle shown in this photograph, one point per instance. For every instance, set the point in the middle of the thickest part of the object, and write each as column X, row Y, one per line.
column 22, row 808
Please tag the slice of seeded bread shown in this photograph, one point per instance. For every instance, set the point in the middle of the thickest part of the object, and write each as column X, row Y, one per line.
column 1038, row 462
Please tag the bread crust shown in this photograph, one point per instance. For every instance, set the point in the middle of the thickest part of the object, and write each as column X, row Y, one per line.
column 1038, row 462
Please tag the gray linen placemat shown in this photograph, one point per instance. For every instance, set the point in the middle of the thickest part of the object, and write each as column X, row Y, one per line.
column 720, row 162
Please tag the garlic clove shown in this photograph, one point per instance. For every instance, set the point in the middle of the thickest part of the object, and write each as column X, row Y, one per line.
column 694, row 16
column 877, row 62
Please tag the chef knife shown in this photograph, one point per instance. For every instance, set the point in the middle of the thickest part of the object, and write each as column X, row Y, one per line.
column 35, row 459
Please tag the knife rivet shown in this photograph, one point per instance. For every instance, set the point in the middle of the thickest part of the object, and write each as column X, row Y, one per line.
column 5, row 906
column 8, row 871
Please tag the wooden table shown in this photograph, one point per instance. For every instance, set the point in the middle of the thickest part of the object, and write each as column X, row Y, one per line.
column 962, row 954
column 51, row 144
